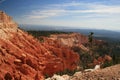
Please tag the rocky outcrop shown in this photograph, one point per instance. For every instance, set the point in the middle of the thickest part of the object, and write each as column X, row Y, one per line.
column 6, row 21
column 73, row 40
column 70, row 40
column 7, row 25
column 22, row 57
column 101, row 60
column 109, row 73
column 78, row 43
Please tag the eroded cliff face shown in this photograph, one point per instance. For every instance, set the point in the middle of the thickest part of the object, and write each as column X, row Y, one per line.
column 70, row 40
column 7, row 25
column 22, row 57
column 78, row 42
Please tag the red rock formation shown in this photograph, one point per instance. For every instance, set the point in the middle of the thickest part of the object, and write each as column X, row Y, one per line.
column 101, row 60
column 76, row 41
column 6, row 21
column 70, row 40
column 25, row 58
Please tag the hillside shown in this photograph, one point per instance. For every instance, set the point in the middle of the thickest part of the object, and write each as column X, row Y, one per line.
column 79, row 43
column 109, row 73
column 22, row 57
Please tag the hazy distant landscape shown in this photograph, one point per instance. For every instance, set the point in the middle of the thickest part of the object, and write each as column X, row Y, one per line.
column 98, row 33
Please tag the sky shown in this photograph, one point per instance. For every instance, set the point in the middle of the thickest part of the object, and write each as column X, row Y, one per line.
column 91, row 14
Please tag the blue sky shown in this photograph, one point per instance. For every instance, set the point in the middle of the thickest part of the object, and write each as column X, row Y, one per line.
column 95, row 14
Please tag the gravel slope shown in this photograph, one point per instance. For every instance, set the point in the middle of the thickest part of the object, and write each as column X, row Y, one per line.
column 109, row 73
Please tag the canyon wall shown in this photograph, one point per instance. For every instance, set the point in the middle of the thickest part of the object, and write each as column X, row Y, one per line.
column 22, row 57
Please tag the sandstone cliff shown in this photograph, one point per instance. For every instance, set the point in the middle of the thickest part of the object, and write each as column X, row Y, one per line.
column 67, row 40
column 22, row 57
column 70, row 40
column 6, row 21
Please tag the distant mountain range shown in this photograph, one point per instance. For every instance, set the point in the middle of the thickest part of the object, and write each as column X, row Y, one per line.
column 99, row 34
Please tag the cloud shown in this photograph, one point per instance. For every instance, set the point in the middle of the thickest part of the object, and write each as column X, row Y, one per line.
column 45, row 13
column 109, row 10
column 90, row 15
column 73, row 4
column 78, row 9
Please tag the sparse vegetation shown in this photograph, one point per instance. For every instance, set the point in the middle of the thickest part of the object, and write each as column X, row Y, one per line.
column 111, row 48
column 68, row 72
column 46, row 33
column 90, row 38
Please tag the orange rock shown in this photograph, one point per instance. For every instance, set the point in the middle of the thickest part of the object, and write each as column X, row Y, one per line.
column 33, row 56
